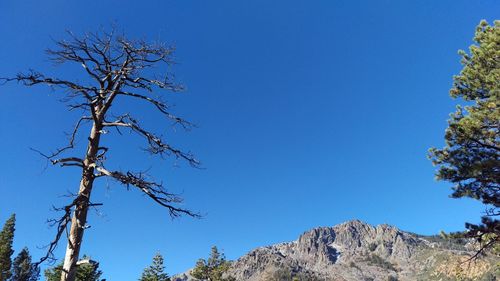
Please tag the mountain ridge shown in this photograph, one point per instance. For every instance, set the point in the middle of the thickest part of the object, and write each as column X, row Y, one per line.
column 355, row 250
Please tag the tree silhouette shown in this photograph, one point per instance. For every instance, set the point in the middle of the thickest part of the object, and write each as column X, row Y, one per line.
column 114, row 68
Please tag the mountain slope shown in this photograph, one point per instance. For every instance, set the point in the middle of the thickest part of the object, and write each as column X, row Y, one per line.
column 357, row 251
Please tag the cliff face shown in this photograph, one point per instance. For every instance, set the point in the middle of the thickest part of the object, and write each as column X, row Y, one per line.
column 357, row 251
column 332, row 245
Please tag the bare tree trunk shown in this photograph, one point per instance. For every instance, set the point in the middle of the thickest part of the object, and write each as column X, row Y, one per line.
column 79, row 218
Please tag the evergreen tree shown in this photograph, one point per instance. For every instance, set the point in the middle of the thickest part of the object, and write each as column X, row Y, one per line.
column 213, row 268
column 23, row 269
column 156, row 271
column 471, row 159
column 85, row 271
column 6, row 251
column 285, row 274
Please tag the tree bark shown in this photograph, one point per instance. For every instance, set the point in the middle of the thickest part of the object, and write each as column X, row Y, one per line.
column 79, row 218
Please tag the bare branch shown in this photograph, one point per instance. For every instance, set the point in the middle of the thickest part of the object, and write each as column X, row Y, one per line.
column 71, row 143
column 69, row 161
column 162, row 107
column 153, row 190
column 33, row 78
column 156, row 144
column 148, row 84
column 60, row 225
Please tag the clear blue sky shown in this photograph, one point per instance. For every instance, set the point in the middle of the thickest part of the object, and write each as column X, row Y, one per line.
column 310, row 113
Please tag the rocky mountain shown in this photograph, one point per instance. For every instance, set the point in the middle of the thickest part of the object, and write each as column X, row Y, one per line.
column 358, row 251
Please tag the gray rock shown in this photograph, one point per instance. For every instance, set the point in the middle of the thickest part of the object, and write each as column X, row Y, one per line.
column 352, row 250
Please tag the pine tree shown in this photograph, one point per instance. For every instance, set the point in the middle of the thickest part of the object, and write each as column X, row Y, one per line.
column 85, row 271
column 471, row 158
column 23, row 269
column 213, row 268
column 156, row 271
column 6, row 251
column 88, row 272
column 285, row 274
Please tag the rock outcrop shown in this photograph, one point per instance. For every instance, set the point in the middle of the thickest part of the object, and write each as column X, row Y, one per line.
column 358, row 251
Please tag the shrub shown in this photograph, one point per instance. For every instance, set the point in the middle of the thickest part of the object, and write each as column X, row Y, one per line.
column 380, row 262
column 372, row 246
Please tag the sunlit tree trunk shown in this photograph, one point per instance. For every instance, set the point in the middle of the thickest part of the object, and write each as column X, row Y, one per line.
column 79, row 218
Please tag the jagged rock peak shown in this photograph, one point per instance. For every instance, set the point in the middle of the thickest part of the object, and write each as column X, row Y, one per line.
column 352, row 251
column 356, row 237
column 355, row 227
column 344, row 234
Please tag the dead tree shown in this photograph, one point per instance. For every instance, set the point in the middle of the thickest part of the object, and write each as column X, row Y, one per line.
column 118, row 68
